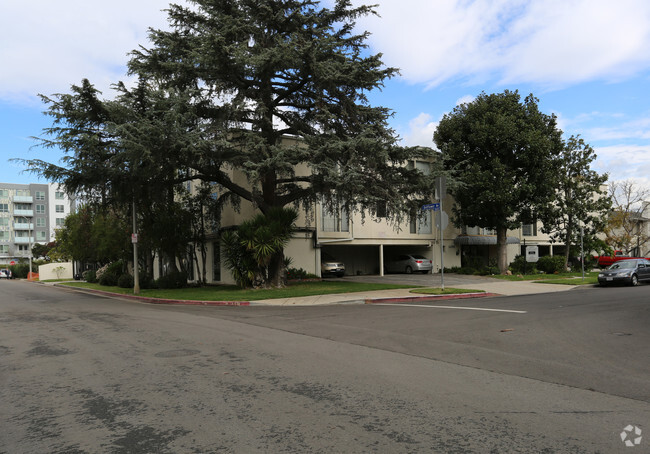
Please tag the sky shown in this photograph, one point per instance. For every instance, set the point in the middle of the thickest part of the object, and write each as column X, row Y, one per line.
column 587, row 61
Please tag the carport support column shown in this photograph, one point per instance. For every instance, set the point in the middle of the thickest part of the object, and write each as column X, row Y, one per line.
column 381, row 259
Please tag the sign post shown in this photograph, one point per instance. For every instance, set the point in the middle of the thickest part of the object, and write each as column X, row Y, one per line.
column 441, row 184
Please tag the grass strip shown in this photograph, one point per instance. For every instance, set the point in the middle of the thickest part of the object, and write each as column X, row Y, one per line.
column 234, row 293
column 446, row 291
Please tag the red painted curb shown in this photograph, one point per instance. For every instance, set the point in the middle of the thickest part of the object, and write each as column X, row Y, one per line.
column 411, row 299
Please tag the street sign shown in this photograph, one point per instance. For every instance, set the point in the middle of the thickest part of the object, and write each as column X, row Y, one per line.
column 532, row 253
column 134, row 238
column 431, row 206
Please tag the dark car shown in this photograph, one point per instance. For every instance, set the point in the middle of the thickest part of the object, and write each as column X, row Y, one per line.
column 631, row 271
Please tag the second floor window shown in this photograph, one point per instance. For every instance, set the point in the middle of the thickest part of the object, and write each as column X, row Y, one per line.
column 335, row 219
column 529, row 229
column 59, row 209
column 4, row 208
column 40, row 195
column 40, row 209
column 58, row 195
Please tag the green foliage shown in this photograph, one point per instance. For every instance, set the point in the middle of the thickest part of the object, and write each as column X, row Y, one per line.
column 505, row 152
column 125, row 281
column 173, row 280
column 19, row 270
column 520, row 266
column 580, row 199
column 551, row 264
column 90, row 276
column 253, row 250
column 299, row 274
column 109, row 274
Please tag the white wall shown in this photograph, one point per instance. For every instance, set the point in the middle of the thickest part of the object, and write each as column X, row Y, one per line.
column 47, row 272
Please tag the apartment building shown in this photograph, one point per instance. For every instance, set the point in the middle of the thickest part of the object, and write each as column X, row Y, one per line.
column 366, row 243
column 29, row 214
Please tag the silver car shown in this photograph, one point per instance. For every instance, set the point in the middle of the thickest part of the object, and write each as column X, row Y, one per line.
column 330, row 266
column 409, row 263
column 631, row 271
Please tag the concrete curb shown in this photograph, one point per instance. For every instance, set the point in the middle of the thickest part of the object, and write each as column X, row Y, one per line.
column 145, row 299
column 411, row 299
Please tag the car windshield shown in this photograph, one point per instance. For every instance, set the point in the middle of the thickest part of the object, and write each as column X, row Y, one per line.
column 623, row 265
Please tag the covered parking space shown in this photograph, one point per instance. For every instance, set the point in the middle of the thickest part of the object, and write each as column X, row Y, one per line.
column 366, row 259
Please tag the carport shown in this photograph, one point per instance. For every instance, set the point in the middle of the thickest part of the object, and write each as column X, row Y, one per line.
column 479, row 249
column 366, row 259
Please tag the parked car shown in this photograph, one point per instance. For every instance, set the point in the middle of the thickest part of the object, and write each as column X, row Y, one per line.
column 409, row 263
column 605, row 261
column 6, row 274
column 331, row 266
column 630, row 271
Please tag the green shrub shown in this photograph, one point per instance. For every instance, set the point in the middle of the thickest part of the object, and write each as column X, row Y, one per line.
column 551, row 264
column 299, row 273
column 173, row 280
column 19, row 271
column 108, row 278
column 520, row 266
column 125, row 281
column 89, row 276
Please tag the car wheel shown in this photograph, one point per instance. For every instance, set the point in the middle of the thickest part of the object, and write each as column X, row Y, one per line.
column 408, row 270
column 634, row 280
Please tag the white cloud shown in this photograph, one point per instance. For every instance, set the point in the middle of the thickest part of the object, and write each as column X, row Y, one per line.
column 46, row 46
column 420, row 131
column 465, row 99
column 551, row 42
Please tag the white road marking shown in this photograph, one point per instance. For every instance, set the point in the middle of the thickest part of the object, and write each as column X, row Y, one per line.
column 452, row 307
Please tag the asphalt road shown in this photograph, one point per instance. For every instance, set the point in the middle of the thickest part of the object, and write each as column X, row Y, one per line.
column 560, row 373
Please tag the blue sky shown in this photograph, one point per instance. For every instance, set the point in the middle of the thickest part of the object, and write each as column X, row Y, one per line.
column 588, row 62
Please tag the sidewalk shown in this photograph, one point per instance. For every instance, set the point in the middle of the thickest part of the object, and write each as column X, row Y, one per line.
column 492, row 287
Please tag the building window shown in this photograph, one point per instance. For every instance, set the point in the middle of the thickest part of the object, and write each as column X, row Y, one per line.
column 335, row 219
column 4, row 193
column 60, row 222
column 59, row 209
column 421, row 222
column 23, row 247
column 4, row 235
column 40, row 222
column 382, row 211
column 23, row 193
column 4, row 208
column 4, row 249
column 40, row 195
column 4, row 222
column 40, row 236
column 40, row 209
column 58, row 195
column 21, row 234
column 529, row 229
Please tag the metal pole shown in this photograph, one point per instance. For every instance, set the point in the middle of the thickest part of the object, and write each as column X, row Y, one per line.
column 582, row 252
column 136, row 277
column 442, row 247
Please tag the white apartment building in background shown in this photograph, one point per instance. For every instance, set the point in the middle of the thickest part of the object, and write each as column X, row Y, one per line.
column 30, row 214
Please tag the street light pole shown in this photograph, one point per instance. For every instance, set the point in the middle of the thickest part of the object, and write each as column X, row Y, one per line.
column 134, row 239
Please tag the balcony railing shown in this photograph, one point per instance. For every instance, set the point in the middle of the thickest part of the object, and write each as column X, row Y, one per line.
column 23, row 226
column 28, row 213
column 23, row 239
column 23, row 199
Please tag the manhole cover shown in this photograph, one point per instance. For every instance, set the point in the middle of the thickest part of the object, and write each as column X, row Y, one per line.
column 177, row 353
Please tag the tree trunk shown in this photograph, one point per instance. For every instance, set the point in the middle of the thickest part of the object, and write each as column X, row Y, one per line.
column 502, row 249
column 567, row 242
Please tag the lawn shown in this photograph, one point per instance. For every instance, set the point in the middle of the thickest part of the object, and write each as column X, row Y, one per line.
column 446, row 291
column 234, row 293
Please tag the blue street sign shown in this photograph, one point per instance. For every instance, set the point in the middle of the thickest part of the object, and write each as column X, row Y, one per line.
column 431, row 206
